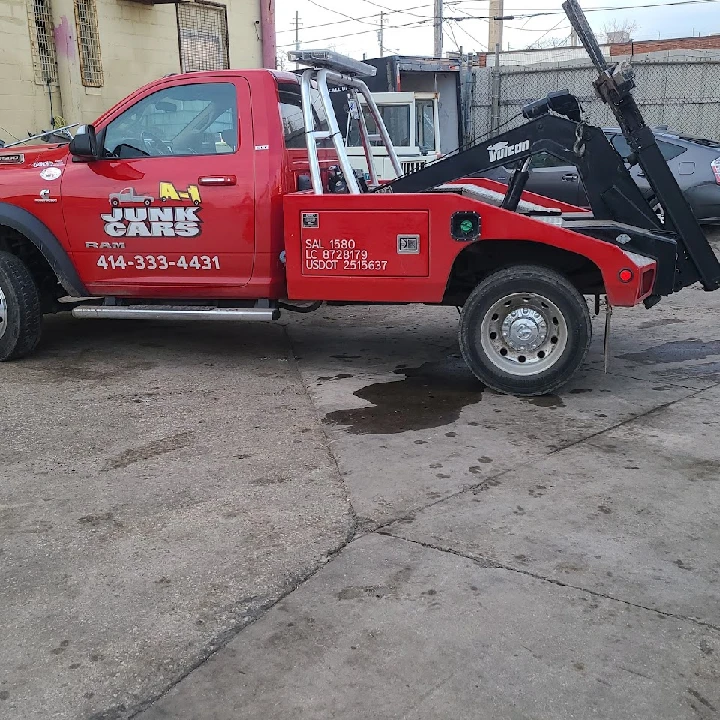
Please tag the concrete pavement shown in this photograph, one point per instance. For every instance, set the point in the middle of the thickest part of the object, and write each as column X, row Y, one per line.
column 549, row 558
column 394, row 629
column 162, row 485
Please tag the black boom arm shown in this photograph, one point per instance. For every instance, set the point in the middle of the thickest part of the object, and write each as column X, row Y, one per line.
column 614, row 86
column 611, row 191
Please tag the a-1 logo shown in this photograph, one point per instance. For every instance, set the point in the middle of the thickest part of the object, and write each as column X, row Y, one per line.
column 168, row 192
column 141, row 217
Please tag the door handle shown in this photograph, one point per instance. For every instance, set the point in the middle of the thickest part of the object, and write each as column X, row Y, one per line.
column 219, row 180
column 569, row 177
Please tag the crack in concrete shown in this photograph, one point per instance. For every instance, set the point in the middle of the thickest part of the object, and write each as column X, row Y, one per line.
column 260, row 609
column 354, row 534
column 250, row 617
column 629, row 420
column 671, row 383
column 323, row 429
column 410, row 514
column 489, row 563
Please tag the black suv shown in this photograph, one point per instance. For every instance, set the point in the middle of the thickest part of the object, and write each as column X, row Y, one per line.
column 694, row 162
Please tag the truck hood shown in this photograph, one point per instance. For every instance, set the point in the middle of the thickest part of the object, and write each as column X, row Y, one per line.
column 33, row 156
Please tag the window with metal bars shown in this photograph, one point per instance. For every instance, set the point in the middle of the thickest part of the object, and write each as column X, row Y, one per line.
column 203, row 34
column 42, row 42
column 88, row 39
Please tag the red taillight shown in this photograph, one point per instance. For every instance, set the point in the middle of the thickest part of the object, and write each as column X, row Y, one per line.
column 715, row 165
column 626, row 275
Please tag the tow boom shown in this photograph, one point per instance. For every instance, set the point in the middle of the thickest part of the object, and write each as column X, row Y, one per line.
column 611, row 191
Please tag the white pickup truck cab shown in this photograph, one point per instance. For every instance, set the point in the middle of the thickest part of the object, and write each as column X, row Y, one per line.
column 411, row 119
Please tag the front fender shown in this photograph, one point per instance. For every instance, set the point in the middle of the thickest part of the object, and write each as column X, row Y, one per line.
column 38, row 233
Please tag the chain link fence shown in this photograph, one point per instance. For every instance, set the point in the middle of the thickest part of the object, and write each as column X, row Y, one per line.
column 682, row 94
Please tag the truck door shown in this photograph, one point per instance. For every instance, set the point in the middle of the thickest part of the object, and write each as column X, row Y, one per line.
column 170, row 205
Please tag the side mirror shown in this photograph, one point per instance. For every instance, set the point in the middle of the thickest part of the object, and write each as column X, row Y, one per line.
column 84, row 145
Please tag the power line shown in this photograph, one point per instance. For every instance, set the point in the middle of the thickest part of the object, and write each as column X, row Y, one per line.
column 404, row 11
column 545, row 34
column 474, row 39
column 342, row 14
column 544, row 13
column 417, row 23
column 605, row 8
column 365, row 17
column 450, row 35
column 458, row 19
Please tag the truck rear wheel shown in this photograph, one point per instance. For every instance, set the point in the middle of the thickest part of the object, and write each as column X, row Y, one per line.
column 20, row 313
column 525, row 330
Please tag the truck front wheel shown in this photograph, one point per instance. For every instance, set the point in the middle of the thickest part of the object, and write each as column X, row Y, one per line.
column 525, row 330
column 20, row 313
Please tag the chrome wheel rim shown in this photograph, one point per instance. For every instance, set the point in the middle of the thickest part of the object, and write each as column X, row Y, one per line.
column 524, row 334
column 3, row 313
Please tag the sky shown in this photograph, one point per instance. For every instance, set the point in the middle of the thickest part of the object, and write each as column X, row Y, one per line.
column 350, row 27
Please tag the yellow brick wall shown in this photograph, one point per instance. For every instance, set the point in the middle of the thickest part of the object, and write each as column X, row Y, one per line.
column 139, row 43
column 24, row 106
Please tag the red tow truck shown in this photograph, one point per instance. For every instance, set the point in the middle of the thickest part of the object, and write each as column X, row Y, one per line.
column 229, row 196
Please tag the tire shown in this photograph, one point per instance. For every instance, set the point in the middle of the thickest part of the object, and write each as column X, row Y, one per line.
column 525, row 330
column 20, row 313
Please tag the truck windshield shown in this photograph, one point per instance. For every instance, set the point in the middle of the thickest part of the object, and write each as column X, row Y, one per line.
column 396, row 119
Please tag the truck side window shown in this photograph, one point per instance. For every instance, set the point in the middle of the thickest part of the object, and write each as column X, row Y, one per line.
column 183, row 120
column 425, row 112
column 546, row 160
column 397, row 122
column 293, row 122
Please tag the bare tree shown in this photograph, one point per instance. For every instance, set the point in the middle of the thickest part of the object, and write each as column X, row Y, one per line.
column 619, row 31
column 550, row 42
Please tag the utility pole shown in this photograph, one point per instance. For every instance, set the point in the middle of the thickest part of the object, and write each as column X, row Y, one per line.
column 297, row 35
column 381, row 34
column 495, row 110
column 495, row 25
column 438, row 26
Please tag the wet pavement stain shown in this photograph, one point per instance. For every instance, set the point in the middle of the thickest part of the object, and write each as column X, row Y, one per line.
column 546, row 401
column 675, row 351
column 429, row 396
column 709, row 371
